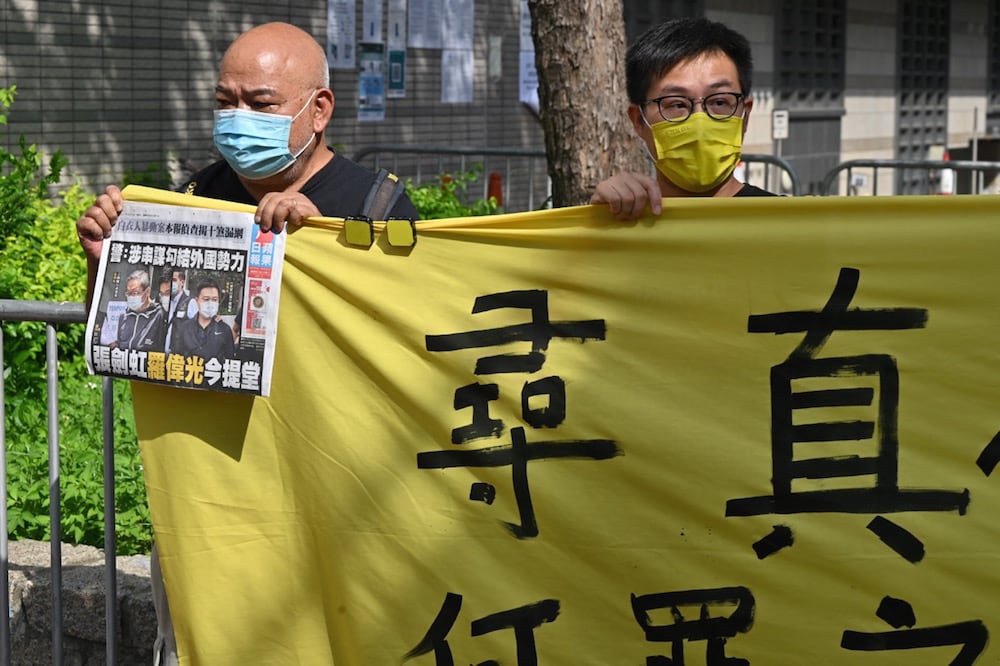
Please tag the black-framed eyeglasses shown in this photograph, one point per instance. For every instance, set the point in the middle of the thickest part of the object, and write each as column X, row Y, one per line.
column 678, row 108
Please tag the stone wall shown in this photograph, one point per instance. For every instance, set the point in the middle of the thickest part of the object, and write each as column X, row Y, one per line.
column 83, row 603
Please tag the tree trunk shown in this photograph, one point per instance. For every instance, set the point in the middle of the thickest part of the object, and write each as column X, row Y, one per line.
column 580, row 59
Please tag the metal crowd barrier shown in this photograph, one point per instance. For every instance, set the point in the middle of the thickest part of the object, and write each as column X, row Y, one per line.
column 414, row 161
column 832, row 179
column 52, row 314
column 779, row 163
column 418, row 162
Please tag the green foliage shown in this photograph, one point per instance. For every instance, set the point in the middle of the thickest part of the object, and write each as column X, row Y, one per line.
column 6, row 101
column 81, row 466
column 39, row 255
column 24, row 178
column 447, row 196
column 43, row 263
column 40, row 259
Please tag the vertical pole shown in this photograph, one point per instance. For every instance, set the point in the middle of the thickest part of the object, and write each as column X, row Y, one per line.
column 777, row 169
column 531, row 183
column 52, row 381
column 110, row 545
column 975, row 175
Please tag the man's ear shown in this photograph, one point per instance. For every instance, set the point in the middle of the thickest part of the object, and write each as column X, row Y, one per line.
column 635, row 115
column 323, row 106
column 747, row 107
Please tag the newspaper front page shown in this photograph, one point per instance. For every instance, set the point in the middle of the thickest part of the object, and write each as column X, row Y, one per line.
column 187, row 297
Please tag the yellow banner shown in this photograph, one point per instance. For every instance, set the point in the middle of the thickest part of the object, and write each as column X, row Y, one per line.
column 754, row 431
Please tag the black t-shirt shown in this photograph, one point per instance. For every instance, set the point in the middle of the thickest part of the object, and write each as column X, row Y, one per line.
column 753, row 191
column 337, row 190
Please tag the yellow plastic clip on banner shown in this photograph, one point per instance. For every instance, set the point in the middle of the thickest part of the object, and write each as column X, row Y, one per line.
column 401, row 232
column 359, row 231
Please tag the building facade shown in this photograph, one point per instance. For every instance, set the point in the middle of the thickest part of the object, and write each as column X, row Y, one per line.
column 127, row 88
column 863, row 79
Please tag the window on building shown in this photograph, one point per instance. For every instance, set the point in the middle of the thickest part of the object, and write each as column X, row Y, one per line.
column 922, row 86
column 809, row 84
column 810, row 53
column 640, row 15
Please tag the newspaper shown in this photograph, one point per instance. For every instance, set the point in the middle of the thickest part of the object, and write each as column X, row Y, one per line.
column 187, row 297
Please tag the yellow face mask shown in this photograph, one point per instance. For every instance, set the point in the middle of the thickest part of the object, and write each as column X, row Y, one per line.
column 700, row 153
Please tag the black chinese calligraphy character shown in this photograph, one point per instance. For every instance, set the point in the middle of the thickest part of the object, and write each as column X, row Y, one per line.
column 523, row 620
column 714, row 630
column 543, row 400
column 792, row 442
column 971, row 635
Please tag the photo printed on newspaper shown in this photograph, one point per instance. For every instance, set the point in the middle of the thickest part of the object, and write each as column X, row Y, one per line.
column 187, row 297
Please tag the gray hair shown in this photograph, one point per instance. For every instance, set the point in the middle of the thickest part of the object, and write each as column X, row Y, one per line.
column 140, row 275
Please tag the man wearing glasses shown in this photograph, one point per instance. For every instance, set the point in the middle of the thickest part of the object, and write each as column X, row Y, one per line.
column 688, row 84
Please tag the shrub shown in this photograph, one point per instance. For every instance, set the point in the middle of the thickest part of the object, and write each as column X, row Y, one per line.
column 81, row 467
column 24, row 181
column 447, row 196
column 40, row 259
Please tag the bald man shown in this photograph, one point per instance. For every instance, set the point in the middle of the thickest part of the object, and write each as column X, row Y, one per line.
column 273, row 103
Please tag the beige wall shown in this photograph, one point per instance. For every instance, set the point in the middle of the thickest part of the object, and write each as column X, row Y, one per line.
column 120, row 85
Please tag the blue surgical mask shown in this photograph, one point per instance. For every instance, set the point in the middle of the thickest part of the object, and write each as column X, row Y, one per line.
column 255, row 144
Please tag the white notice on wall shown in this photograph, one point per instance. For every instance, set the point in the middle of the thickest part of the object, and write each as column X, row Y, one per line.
column 527, row 77
column 371, row 82
column 527, row 42
column 397, row 25
column 425, row 24
column 456, row 76
column 458, row 24
column 528, row 80
column 371, row 22
column 340, row 39
column 396, row 39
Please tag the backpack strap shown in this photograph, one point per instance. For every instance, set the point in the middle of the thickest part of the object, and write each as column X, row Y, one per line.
column 383, row 195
